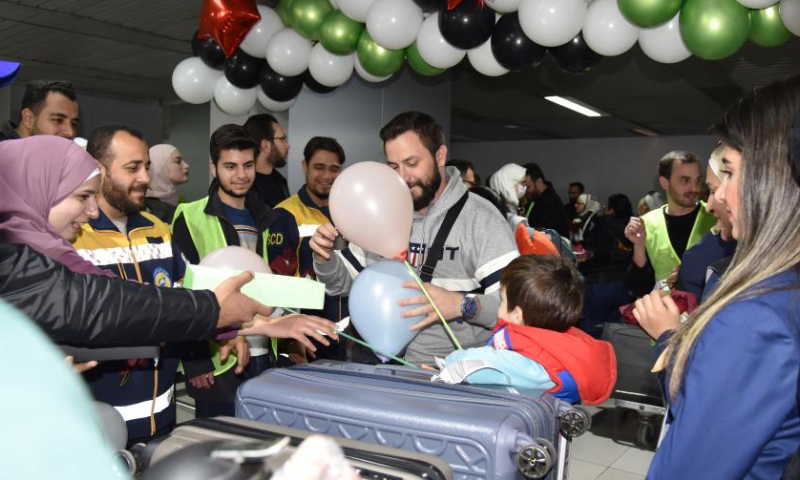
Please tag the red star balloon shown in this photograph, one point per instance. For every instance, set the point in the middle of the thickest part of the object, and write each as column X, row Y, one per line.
column 227, row 22
column 451, row 4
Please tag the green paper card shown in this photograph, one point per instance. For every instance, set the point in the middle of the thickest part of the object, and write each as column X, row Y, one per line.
column 271, row 290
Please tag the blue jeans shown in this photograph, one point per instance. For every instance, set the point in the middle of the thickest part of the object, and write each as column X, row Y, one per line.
column 601, row 305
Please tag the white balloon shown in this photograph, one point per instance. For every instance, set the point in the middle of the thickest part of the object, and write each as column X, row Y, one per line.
column 255, row 42
column 394, row 24
column 482, row 60
column 757, row 3
column 551, row 23
column 433, row 48
column 287, row 52
column 234, row 100
column 368, row 76
column 503, row 6
column 330, row 69
column 272, row 105
column 333, row 4
column 664, row 43
column 607, row 31
column 193, row 81
column 355, row 9
column 790, row 15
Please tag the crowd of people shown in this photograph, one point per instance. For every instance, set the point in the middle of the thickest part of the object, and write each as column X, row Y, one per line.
column 96, row 240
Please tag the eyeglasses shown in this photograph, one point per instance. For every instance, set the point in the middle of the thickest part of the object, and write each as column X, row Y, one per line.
column 284, row 139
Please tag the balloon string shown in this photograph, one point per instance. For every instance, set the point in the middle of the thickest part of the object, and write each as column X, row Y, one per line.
column 374, row 348
column 435, row 308
column 365, row 344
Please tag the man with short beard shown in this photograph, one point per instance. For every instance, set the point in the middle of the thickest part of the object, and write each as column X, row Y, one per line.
column 299, row 216
column 273, row 149
column 137, row 246
column 463, row 271
column 661, row 236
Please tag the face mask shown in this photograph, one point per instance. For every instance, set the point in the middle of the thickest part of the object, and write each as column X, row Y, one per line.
column 521, row 189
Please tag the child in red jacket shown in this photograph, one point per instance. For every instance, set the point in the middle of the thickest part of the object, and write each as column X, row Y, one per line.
column 535, row 344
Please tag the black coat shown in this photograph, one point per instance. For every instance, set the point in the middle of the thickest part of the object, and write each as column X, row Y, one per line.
column 97, row 310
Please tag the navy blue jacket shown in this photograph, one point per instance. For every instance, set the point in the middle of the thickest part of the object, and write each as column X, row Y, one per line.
column 696, row 260
column 736, row 415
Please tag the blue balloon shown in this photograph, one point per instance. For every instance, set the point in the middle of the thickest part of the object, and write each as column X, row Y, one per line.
column 373, row 306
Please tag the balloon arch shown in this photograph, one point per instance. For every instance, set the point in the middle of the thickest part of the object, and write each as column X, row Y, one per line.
column 247, row 53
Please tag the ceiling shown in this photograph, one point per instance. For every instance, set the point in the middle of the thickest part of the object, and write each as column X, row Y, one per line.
column 129, row 49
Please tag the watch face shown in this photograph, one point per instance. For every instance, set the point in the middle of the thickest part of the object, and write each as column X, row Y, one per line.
column 470, row 307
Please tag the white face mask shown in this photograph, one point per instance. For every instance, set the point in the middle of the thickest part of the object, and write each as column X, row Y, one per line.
column 521, row 189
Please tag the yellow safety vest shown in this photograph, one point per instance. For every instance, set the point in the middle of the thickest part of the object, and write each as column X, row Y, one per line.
column 207, row 236
column 659, row 248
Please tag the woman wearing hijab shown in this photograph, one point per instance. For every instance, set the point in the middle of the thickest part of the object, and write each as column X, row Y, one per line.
column 731, row 370
column 509, row 183
column 167, row 170
column 586, row 206
column 47, row 191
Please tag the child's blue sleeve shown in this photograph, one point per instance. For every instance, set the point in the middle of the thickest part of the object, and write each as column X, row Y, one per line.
column 507, row 368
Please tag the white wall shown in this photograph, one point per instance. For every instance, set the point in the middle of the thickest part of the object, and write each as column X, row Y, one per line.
column 186, row 127
column 604, row 165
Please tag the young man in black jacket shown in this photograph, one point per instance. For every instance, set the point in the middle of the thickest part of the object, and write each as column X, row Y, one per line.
column 546, row 209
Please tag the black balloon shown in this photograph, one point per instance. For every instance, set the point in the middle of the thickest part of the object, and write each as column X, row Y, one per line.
column 279, row 87
column 314, row 85
column 431, row 6
column 575, row 56
column 242, row 70
column 468, row 25
column 197, row 45
column 512, row 48
column 210, row 52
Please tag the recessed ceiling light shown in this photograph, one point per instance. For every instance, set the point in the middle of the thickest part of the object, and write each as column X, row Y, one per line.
column 511, row 126
column 576, row 106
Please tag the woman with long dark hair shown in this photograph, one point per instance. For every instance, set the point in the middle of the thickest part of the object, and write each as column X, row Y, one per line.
column 731, row 370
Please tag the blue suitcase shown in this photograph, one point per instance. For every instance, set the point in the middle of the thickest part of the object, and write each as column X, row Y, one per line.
column 483, row 433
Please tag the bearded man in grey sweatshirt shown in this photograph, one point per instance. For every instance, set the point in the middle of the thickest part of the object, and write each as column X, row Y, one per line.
column 465, row 283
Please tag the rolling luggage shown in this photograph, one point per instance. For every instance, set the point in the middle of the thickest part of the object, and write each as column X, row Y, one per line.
column 637, row 388
column 227, row 433
column 484, row 434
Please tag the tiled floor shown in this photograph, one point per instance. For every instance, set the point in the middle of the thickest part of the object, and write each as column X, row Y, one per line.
column 594, row 457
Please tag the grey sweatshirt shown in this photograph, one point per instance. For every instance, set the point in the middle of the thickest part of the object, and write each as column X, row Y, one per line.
column 479, row 246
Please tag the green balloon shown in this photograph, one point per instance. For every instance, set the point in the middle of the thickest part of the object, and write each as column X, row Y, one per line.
column 283, row 11
column 376, row 59
column 714, row 29
column 307, row 16
column 418, row 64
column 766, row 27
column 339, row 34
column 649, row 13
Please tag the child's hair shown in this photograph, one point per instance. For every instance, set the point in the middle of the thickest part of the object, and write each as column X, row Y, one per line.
column 548, row 289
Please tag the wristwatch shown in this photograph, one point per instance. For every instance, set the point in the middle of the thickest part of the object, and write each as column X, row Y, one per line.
column 470, row 306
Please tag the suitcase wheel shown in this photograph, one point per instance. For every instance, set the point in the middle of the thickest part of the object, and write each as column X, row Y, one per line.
column 535, row 461
column 574, row 423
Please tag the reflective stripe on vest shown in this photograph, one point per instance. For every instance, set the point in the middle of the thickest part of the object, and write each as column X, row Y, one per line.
column 659, row 247
column 142, row 409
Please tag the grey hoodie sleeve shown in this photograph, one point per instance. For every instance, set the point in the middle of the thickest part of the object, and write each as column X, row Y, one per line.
column 338, row 273
column 334, row 275
column 487, row 317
